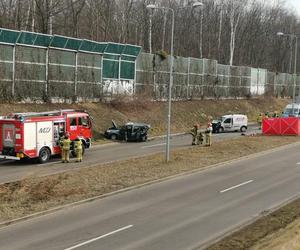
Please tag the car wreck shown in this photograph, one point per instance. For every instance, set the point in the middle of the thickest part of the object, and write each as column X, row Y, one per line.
column 131, row 131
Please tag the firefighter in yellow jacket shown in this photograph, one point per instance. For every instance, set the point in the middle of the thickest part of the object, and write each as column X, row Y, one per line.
column 259, row 120
column 65, row 144
column 195, row 133
column 78, row 150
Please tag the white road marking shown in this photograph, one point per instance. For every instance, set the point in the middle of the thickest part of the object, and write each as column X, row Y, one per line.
column 298, row 163
column 155, row 145
column 236, row 186
column 98, row 238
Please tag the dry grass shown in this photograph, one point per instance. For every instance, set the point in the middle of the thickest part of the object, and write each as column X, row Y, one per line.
column 40, row 193
column 248, row 237
column 284, row 239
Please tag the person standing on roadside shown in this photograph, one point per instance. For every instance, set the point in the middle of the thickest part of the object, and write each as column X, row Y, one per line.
column 209, row 133
column 259, row 120
column 78, row 149
column 65, row 148
column 195, row 133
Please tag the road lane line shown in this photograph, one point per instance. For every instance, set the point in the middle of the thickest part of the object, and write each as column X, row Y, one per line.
column 155, row 145
column 98, row 238
column 236, row 186
column 298, row 163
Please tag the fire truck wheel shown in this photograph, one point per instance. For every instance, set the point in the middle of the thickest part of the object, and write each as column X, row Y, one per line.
column 44, row 155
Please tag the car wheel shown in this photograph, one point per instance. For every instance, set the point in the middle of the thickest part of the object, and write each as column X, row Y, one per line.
column 44, row 155
column 243, row 129
column 221, row 130
column 144, row 138
column 113, row 137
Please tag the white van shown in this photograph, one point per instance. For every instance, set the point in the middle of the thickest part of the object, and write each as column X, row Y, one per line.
column 288, row 111
column 228, row 123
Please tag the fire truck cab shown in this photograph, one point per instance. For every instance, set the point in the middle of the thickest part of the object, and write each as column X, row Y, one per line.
column 38, row 134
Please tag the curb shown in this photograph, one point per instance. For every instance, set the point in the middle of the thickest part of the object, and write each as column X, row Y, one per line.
column 218, row 165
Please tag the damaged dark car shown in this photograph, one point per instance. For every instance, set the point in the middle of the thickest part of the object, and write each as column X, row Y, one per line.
column 131, row 131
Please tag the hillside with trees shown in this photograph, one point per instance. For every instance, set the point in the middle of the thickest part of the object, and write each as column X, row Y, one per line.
column 238, row 32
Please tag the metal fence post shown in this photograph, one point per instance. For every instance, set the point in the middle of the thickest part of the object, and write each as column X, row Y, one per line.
column 14, row 72
column 119, row 75
column 134, row 80
column 47, row 72
column 257, row 80
column 76, row 75
column 203, row 72
column 101, row 80
column 188, row 80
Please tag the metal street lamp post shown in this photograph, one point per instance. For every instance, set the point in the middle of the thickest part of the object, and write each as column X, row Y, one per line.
column 293, row 36
column 152, row 7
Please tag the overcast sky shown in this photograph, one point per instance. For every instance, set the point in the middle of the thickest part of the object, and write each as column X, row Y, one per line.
column 294, row 4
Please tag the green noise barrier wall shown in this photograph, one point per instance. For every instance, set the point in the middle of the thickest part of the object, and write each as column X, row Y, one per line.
column 37, row 66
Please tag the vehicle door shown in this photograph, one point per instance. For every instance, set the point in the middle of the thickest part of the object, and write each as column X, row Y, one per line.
column 228, row 124
column 237, row 123
column 136, row 133
column 128, row 133
column 58, row 133
column 84, row 127
column 72, row 127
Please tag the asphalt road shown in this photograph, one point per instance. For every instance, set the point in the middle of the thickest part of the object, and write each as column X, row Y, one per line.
column 181, row 213
column 15, row 170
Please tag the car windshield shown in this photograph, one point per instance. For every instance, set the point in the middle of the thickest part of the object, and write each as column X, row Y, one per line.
column 217, row 120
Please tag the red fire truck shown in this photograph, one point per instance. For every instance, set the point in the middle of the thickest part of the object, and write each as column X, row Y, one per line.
column 37, row 135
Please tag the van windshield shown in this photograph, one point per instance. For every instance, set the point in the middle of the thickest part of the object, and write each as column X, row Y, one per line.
column 223, row 118
column 289, row 112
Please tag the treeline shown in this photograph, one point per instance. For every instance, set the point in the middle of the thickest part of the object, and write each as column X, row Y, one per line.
column 238, row 32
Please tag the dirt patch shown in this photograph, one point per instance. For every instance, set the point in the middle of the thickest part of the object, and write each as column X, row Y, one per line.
column 184, row 113
column 247, row 237
column 39, row 193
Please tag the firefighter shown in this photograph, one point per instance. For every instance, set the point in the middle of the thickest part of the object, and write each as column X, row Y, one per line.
column 275, row 115
column 78, row 149
column 65, row 148
column 195, row 133
column 267, row 114
column 208, row 132
column 201, row 138
column 259, row 120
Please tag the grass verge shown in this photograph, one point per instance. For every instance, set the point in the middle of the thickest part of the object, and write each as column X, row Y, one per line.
column 257, row 232
column 283, row 239
column 36, row 194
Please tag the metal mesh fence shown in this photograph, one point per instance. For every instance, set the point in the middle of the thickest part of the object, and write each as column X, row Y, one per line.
column 203, row 78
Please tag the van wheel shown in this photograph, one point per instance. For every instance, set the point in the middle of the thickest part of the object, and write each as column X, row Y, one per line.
column 243, row 129
column 44, row 155
column 221, row 130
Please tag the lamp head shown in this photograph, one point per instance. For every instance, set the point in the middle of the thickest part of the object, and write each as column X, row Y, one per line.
column 197, row 4
column 280, row 34
column 151, row 6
